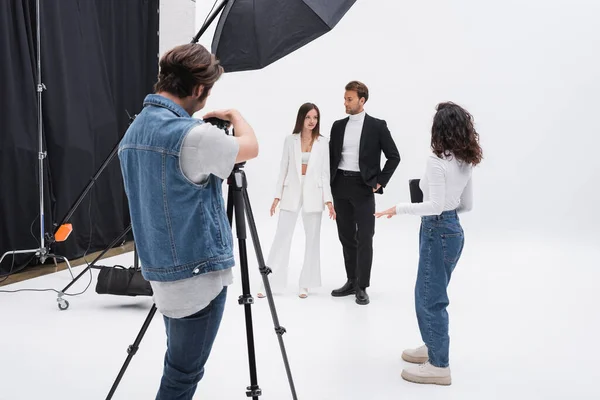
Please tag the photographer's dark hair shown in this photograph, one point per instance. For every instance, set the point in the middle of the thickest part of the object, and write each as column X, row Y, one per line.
column 360, row 88
column 185, row 67
column 453, row 134
column 304, row 109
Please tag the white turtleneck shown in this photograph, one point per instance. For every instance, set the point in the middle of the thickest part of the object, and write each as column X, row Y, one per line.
column 350, row 149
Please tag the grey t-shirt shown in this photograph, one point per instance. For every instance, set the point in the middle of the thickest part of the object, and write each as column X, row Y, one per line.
column 205, row 150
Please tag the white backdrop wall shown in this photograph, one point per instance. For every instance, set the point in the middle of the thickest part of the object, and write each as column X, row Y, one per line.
column 529, row 71
column 176, row 24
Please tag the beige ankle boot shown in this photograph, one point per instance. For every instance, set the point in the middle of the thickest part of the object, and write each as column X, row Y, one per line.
column 427, row 374
column 416, row 356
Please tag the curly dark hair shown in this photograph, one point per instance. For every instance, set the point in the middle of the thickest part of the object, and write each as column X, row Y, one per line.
column 453, row 134
column 185, row 67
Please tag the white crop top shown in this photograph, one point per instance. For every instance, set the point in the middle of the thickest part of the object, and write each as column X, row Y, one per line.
column 305, row 157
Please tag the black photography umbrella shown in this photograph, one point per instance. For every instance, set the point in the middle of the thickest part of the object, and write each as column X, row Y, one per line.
column 252, row 34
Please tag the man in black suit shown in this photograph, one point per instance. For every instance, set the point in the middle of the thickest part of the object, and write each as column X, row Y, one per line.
column 355, row 148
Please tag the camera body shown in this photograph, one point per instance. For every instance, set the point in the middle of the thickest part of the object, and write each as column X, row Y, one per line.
column 219, row 123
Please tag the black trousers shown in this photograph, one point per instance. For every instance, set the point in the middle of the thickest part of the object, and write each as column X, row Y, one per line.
column 355, row 205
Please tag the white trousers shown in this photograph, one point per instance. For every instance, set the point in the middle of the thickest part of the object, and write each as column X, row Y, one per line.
column 279, row 256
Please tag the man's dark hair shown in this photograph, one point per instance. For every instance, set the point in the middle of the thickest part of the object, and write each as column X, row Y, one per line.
column 360, row 88
column 185, row 67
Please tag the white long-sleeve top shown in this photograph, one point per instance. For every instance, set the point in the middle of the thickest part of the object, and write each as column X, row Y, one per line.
column 447, row 185
column 351, row 146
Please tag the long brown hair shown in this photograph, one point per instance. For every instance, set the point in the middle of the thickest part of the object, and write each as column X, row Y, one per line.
column 304, row 109
column 453, row 134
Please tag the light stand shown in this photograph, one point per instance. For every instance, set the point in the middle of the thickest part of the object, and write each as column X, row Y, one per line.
column 62, row 303
column 43, row 251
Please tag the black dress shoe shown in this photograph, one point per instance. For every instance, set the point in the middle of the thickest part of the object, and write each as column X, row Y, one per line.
column 362, row 297
column 346, row 290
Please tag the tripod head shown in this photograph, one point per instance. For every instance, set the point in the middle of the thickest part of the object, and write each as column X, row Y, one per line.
column 239, row 166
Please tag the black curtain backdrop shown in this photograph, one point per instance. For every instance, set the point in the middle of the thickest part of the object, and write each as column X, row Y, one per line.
column 99, row 60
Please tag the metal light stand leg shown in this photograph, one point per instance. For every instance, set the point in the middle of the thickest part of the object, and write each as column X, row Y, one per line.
column 64, row 304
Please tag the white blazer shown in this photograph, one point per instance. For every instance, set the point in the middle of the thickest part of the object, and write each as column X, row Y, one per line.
column 317, row 189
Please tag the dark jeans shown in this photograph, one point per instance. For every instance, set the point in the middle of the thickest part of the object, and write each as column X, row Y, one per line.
column 189, row 341
column 355, row 205
column 441, row 244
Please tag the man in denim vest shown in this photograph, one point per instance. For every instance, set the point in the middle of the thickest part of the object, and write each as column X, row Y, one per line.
column 173, row 168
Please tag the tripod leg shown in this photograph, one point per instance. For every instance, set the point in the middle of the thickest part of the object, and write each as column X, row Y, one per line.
column 246, row 298
column 230, row 206
column 264, row 270
column 131, row 350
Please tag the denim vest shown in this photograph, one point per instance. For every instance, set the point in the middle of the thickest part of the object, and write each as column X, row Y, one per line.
column 180, row 228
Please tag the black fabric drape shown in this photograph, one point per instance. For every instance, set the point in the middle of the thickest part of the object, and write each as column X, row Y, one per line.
column 19, row 198
column 99, row 59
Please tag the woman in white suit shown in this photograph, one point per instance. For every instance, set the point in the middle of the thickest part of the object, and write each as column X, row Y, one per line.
column 303, row 185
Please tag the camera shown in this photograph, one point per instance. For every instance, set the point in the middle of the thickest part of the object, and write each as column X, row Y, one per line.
column 219, row 123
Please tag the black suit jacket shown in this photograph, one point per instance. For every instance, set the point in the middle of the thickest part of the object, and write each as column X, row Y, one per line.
column 375, row 138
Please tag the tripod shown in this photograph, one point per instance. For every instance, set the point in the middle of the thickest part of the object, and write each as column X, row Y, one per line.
column 238, row 201
column 43, row 251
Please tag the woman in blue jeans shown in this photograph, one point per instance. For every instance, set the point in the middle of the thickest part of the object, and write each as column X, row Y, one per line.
column 447, row 191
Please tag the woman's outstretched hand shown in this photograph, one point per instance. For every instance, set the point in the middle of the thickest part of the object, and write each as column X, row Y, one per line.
column 332, row 214
column 390, row 212
column 274, row 206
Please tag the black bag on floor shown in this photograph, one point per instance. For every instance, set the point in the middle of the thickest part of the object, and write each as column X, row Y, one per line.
column 122, row 281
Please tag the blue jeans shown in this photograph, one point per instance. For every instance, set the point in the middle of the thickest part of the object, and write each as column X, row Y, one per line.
column 189, row 341
column 440, row 246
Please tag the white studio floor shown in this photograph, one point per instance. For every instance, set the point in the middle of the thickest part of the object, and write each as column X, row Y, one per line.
column 524, row 325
